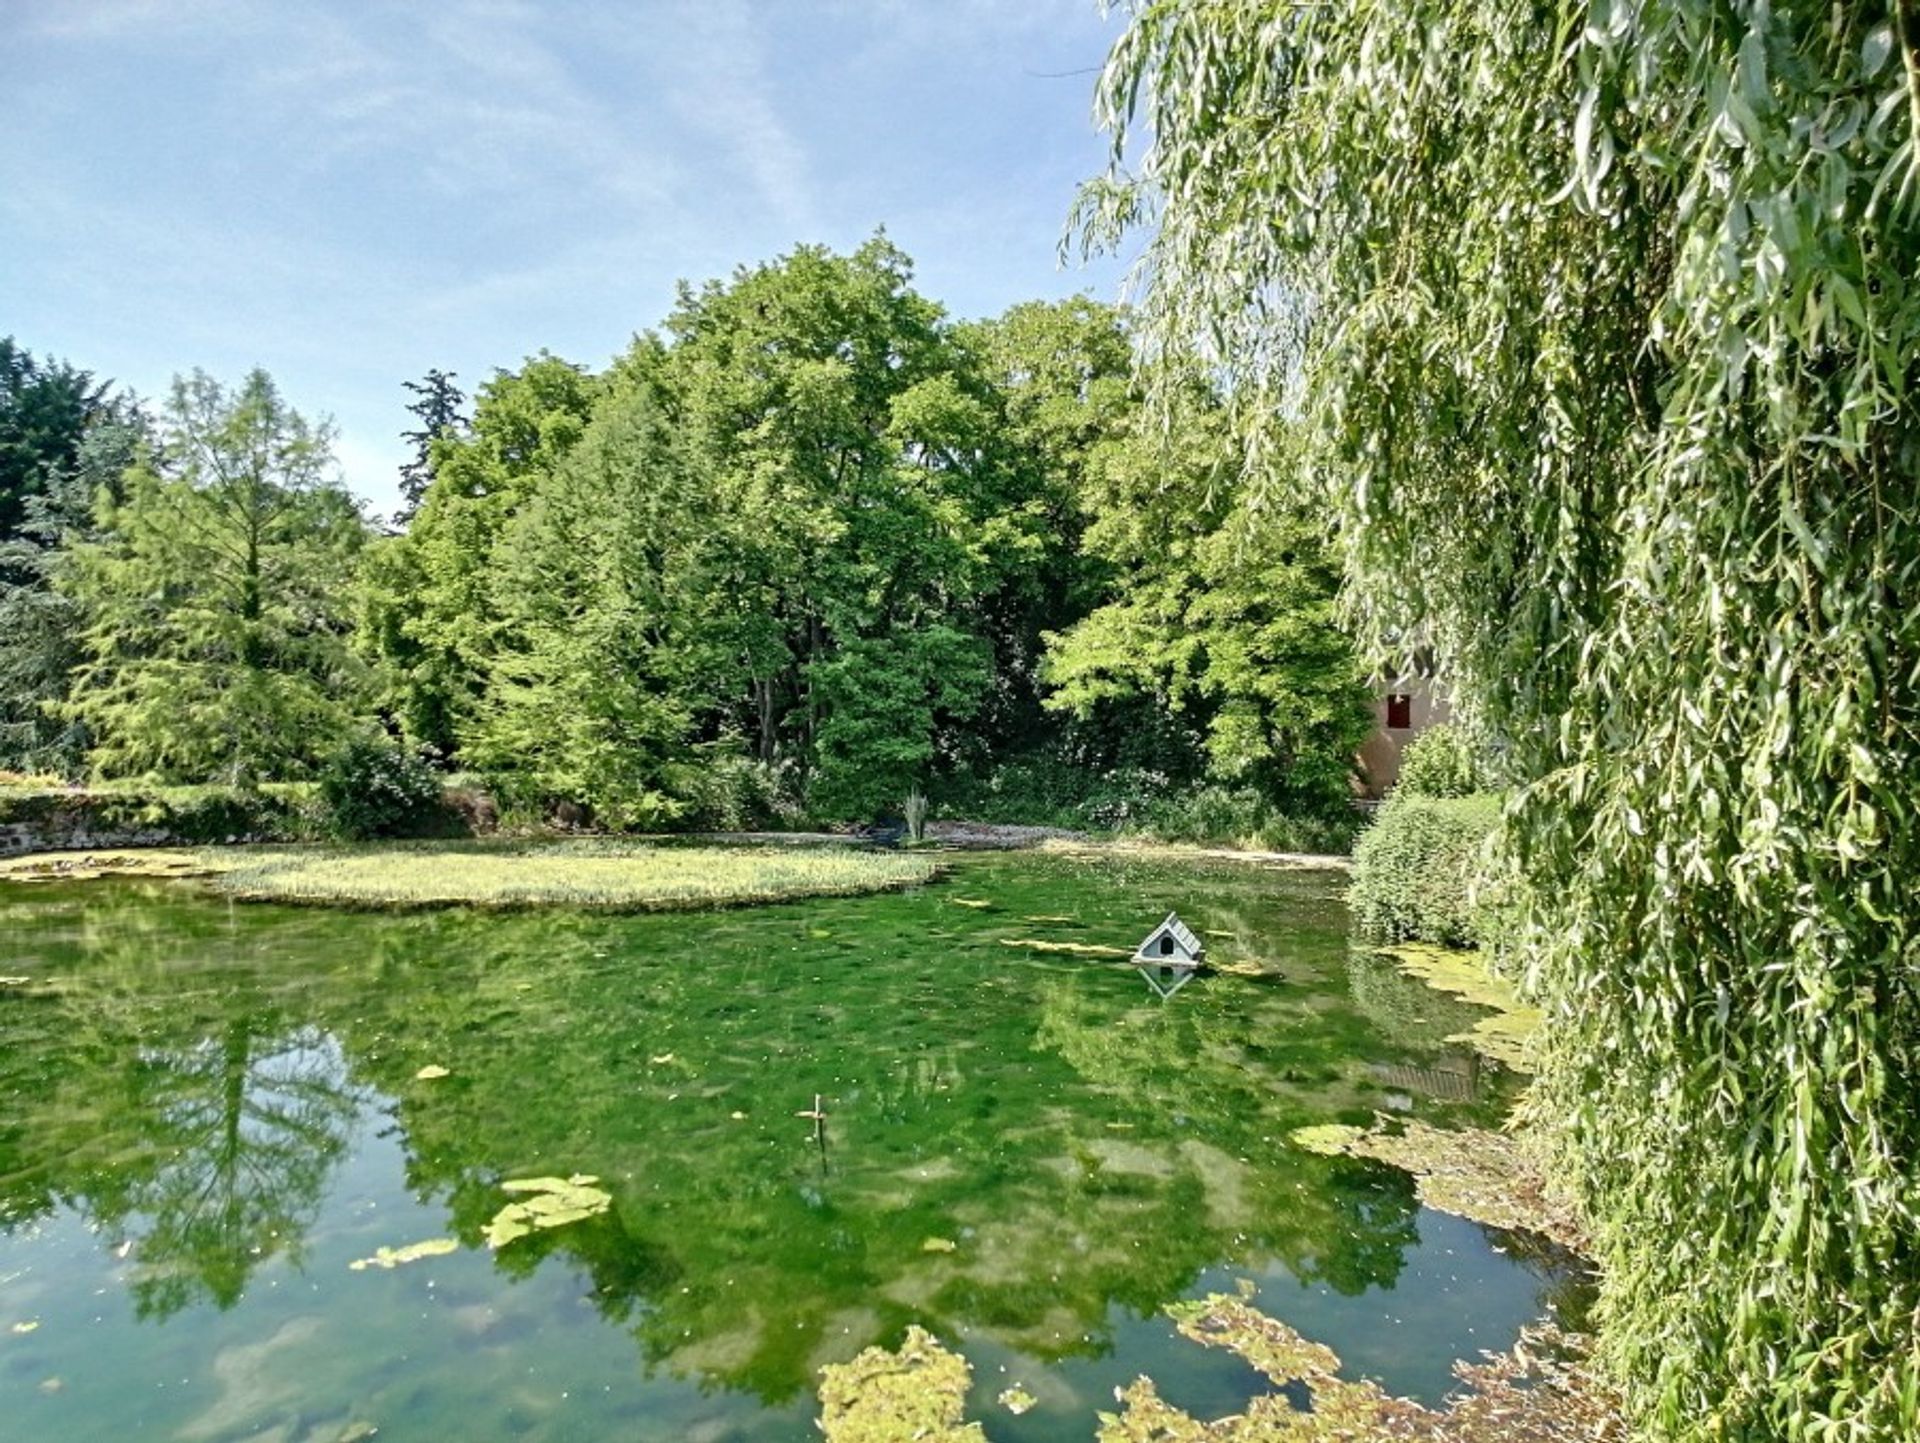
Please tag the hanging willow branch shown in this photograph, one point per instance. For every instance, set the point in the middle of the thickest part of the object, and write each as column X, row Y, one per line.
column 1602, row 321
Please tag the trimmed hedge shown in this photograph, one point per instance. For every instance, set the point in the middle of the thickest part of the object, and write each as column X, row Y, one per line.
column 1414, row 868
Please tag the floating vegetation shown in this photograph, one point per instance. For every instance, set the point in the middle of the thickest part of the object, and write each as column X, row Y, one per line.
column 553, row 1202
column 432, row 1072
column 1483, row 1176
column 1077, row 949
column 917, row 1392
column 969, row 901
column 390, row 1258
column 1505, row 1034
column 1017, row 1400
column 171, row 863
column 1542, row 1391
column 27, row 1327
column 939, row 1245
column 1053, row 921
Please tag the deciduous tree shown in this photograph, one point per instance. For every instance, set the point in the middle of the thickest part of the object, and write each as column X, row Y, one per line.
column 1604, row 320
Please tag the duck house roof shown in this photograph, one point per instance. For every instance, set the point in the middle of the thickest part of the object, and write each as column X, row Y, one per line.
column 1186, row 946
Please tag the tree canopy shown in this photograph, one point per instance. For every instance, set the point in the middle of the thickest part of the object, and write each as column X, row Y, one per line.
column 216, row 644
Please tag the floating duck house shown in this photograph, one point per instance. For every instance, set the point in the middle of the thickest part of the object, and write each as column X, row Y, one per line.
column 1171, row 944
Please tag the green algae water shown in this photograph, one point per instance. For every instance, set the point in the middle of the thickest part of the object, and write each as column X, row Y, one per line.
column 210, row 1111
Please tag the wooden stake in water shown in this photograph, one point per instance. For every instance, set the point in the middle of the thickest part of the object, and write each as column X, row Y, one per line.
column 819, row 1117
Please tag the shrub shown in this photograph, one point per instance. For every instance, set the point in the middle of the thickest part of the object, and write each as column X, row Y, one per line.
column 67, row 816
column 1443, row 762
column 374, row 787
column 1415, row 870
column 726, row 792
column 1243, row 816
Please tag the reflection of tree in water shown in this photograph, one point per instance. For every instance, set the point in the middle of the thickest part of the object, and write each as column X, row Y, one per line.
column 159, row 1087
column 254, row 1125
column 1228, row 1081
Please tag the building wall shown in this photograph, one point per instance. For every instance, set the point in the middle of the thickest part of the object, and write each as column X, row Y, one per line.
column 1427, row 705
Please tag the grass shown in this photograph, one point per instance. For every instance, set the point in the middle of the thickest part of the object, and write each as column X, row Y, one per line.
column 604, row 874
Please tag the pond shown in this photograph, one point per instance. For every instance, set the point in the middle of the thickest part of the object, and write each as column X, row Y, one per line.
column 209, row 1111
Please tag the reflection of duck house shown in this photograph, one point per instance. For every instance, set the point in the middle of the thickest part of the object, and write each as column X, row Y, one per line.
column 1171, row 944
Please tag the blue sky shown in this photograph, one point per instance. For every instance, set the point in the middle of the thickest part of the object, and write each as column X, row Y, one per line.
column 348, row 192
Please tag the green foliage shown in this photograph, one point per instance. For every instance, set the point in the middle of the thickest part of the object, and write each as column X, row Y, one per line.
column 197, row 814
column 1415, row 869
column 608, row 646
column 1602, row 319
column 216, row 636
column 40, row 623
column 720, row 789
column 1244, row 817
column 46, row 407
column 1222, row 614
column 1443, row 762
column 373, row 786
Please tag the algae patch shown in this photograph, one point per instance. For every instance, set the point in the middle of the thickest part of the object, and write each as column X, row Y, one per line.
column 552, row 1202
column 1541, row 1390
column 916, row 1392
column 1017, row 1400
column 1506, row 1033
column 1479, row 1175
column 1075, row 949
column 390, row 1258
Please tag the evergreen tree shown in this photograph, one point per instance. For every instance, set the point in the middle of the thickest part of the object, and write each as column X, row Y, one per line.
column 41, row 624
column 45, row 408
column 428, row 606
column 438, row 405
column 215, row 596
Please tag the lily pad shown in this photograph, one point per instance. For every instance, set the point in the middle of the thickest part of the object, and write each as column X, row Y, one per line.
column 393, row 1257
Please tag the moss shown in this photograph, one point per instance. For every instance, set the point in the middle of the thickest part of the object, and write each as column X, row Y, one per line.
column 918, row 1391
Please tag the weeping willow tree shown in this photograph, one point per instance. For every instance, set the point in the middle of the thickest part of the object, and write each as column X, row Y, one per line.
column 1604, row 319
